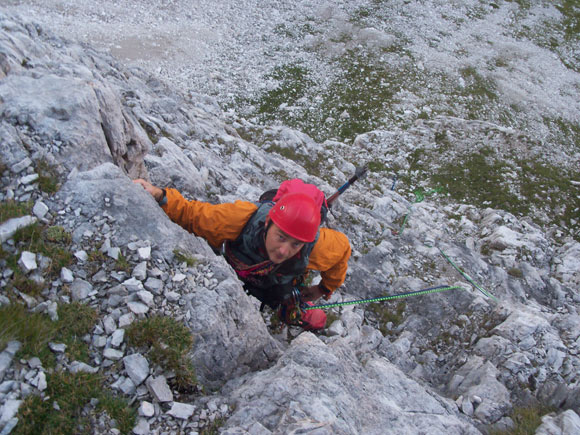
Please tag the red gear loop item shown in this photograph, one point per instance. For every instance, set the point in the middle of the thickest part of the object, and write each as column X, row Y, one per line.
column 297, row 215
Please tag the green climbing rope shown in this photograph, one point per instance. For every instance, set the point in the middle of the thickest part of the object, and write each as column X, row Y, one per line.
column 388, row 297
column 467, row 277
column 419, row 197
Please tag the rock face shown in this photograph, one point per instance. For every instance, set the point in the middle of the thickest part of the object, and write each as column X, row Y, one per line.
column 453, row 362
column 72, row 107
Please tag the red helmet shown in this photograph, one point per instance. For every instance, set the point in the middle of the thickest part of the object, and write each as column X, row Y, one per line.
column 297, row 215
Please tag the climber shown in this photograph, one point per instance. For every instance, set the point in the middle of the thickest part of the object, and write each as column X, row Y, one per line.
column 270, row 245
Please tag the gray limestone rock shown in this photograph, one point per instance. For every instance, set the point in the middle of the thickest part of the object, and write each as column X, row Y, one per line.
column 568, row 422
column 159, row 389
column 80, row 289
column 137, row 367
column 27, row 262
column 390, row 398
column 8, row 228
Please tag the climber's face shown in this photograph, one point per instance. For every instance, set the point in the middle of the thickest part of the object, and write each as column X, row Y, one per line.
column 280, row 246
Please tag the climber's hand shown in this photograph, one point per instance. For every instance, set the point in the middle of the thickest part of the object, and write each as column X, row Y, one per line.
column 156, row 192
column 311, row 293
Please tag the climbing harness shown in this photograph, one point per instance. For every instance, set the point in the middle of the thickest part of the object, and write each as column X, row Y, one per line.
column 426, row 291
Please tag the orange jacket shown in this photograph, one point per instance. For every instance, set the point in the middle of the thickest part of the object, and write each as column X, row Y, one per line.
column 221, row 222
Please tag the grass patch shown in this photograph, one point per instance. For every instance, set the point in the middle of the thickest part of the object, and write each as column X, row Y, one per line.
column 313, row 165
column 47, row 177
column 167, row 342
column 72, row 392
column 515, row 272
column 293, row 84
column 75, row 321
column 122, row 264
column 526, row 420
column 11, row 209
column 52, row 242
column 182, row 257
column 33, row 330
column 539, row 189
column 356, row 99
column 385, row 313
column 36, row 330
column 213, row 427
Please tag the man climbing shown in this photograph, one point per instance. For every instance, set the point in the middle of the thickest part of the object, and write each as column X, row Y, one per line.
column 270, row 245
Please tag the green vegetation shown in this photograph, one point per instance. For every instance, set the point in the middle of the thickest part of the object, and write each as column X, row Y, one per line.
column 35, row 330
column 356, row 99
column 71, row 393
column 331, row 316
column 213, row 427
column 122, row 264
column 74, row 322
column 313, row 165
column 293, row 84
column 182, row 257
column 47, row 177
column 52, row 242
column 526, row 420
column 11, row 209
column 515, row 272
column 167, row 343
column 377, row 166
column 385, row 313
column 570, row 9
column 484, row 179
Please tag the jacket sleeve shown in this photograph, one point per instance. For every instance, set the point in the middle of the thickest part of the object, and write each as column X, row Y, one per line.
column 330, row 256
column 215, row 223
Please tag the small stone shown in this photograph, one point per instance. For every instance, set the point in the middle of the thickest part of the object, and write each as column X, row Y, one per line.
column 133, row 285
column 172, row 296
column 7, row 356
column 40, row 209
column 138, row 308
column 146, row 409
column 40, row 381
column 9, row 411
column 21, row 165
column 9, row 228
column 79, row 366
column 81, row 256
column 57, row 347
column 113, row 354
column 181, row 410
column 144, row 253
column 140, row 271
column 142, row 427
column 159, row 389
column 145, row 297
column 127, row 386
column 28, row 179
column 66, row 275
column 126, row 320
column 27, row 261
column 34, row 362
column 137, row 367
column 109, row 324
column 118, row 337
column 80, row 290
column 178, row 277
column 154, row 285
column 114, row 253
